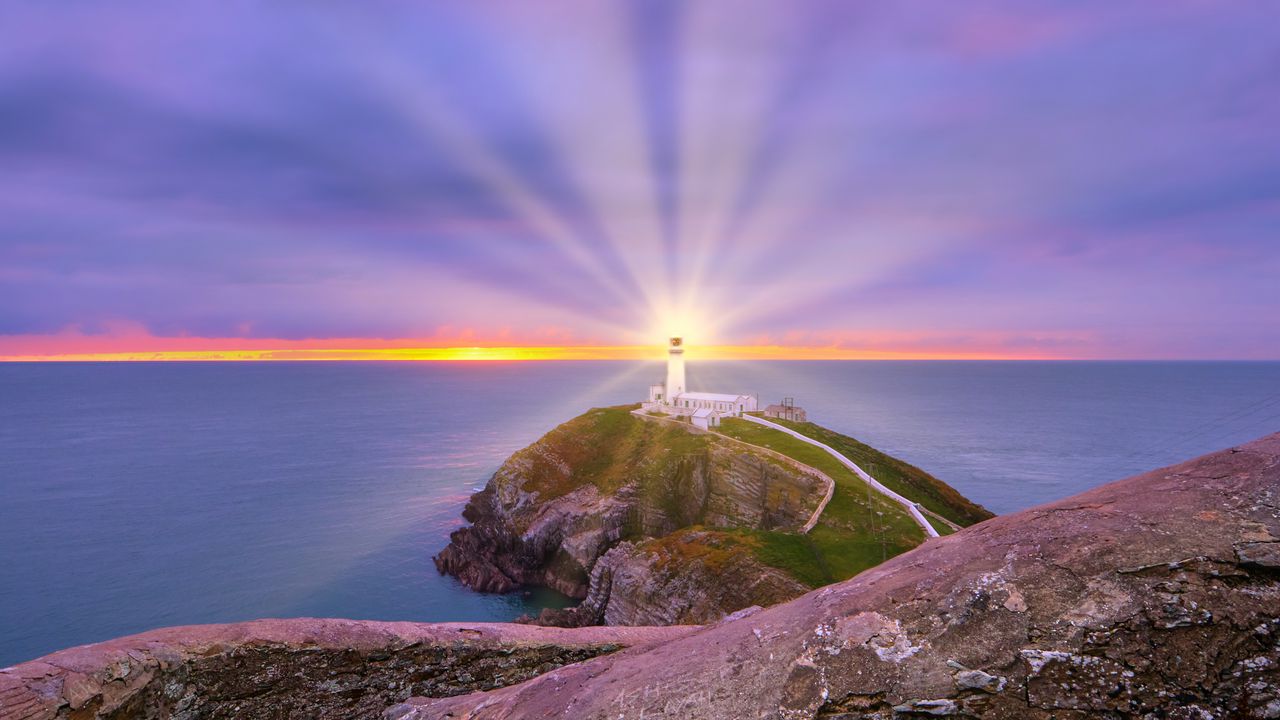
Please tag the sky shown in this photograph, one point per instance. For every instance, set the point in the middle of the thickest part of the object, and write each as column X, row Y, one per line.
column 580, row 178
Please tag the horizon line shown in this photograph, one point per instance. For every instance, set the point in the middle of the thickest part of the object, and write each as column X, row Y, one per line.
column 545, row 353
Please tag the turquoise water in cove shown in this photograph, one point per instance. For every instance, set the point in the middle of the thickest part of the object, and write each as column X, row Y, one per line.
column 134, row 496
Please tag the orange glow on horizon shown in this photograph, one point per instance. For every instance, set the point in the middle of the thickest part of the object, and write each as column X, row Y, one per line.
column 521, row 353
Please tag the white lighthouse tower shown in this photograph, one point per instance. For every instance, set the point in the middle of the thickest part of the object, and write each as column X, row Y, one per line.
column 675, row 368
column 703, row 409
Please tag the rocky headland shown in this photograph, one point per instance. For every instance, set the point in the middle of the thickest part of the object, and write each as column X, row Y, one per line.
column 650, row 521
column 1152, row 597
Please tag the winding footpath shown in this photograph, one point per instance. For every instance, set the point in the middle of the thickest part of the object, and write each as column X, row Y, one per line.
column 911, row 507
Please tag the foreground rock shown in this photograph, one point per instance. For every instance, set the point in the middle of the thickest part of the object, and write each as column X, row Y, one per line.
column 1154, row 597
column 649, row 522
column 300, row 668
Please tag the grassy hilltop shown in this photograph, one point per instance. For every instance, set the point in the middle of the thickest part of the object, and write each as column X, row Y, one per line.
column 611, row 448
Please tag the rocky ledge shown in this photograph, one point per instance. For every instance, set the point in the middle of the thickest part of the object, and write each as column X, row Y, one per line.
column 649, row 521
column 1152, row 597
column 302, row 668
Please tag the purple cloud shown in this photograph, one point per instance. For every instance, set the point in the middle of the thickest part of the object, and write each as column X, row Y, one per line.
column 1104, row 173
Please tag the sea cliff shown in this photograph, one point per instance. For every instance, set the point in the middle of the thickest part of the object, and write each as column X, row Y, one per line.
column 648, row 520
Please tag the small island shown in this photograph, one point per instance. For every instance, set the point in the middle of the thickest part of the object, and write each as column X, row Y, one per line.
column 691, row 506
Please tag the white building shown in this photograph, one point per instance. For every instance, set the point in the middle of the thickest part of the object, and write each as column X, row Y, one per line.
column 703, row 408
column 723, row 403
column 786, row 411
column 704, row 418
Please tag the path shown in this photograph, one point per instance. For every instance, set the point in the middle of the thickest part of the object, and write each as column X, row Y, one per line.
column 910, row 506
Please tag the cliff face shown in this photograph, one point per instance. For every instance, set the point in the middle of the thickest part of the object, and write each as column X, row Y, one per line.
column 555, row 508
column 686, row 578
column 1156, row 596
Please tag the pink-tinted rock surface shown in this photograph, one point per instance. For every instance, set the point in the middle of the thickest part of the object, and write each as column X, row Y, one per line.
column 1153, row 597
column 301, row 668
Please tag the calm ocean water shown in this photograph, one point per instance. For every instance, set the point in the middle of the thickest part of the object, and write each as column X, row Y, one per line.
column 134, row 496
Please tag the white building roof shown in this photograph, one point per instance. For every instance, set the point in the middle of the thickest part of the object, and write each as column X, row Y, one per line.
column 704, row 413
column 712, row 397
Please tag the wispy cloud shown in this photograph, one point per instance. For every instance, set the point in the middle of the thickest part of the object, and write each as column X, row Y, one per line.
column 1026, row 178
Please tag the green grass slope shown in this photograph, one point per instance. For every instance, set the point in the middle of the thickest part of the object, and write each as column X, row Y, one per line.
column 605, row 447
column 901, row 477
column 859, row 529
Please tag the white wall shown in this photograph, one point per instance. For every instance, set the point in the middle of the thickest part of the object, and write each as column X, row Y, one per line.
column 675, row 372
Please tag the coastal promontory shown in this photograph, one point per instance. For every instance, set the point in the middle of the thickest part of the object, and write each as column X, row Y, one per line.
column 648, row 520
column 1152, row 597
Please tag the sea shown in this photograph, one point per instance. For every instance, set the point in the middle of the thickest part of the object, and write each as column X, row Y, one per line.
column 141, row 495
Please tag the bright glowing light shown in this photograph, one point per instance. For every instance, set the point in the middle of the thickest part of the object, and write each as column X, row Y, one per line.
column 690, row 324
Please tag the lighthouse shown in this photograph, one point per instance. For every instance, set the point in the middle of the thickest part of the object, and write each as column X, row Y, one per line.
column 702, row 409
column 675, row 368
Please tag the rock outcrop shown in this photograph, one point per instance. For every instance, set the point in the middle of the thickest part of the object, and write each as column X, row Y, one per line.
column 687, row 578
column 555, row 508
column 1152, row 597
column 304, row 668
column 651, row 521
